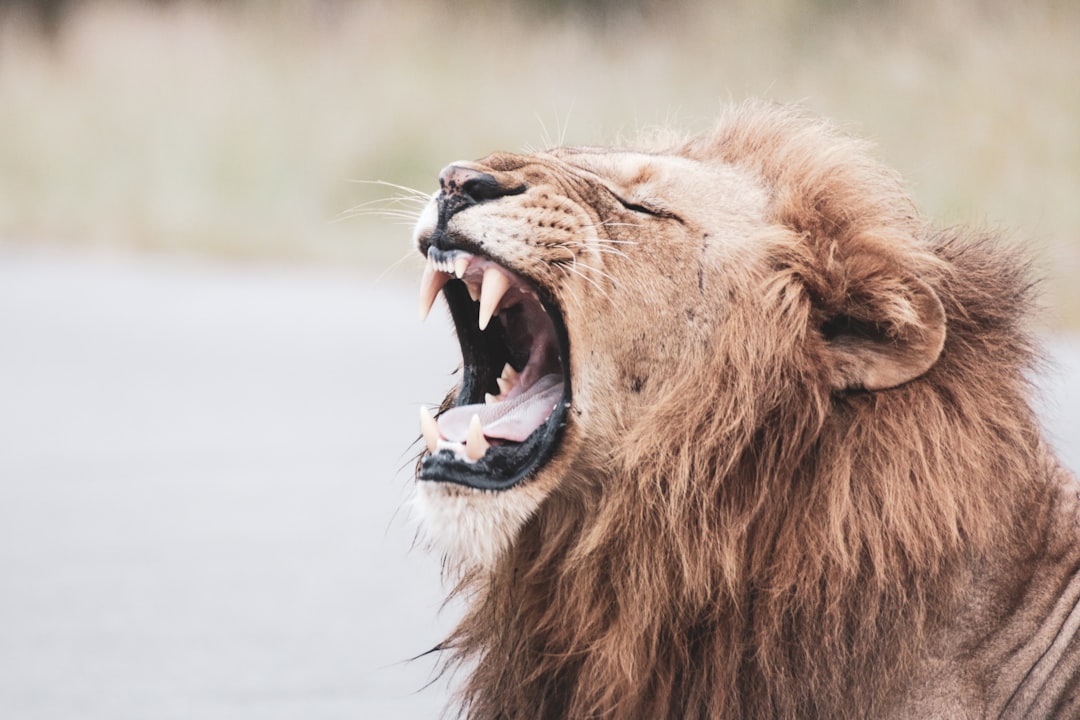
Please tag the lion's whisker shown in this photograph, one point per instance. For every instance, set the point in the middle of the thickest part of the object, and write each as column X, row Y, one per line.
column 388, row 204
column 406, row 256
column 615, row 223
column 598, row 271
column 574, row 269
column 378, row 212
column 587, row 246
column 412, row 191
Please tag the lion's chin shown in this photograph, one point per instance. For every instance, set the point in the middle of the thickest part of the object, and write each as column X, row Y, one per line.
column 472, row 528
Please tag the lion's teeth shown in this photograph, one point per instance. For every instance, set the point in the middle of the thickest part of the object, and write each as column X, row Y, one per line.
column 476, row 445
column 430, row 285
column 508, row 380
column 460, row 266
column 490, row 399
column 474, row 290
column 430, row 429
column 496, row 283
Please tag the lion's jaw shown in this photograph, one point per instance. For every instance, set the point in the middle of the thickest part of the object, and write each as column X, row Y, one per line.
column 601, row 238
column 472, row 528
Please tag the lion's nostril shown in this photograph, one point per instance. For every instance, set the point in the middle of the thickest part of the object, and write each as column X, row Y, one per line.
column 462, row 187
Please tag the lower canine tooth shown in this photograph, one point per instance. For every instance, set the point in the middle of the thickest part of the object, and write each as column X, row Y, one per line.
column 476, row 445
column 430, row 429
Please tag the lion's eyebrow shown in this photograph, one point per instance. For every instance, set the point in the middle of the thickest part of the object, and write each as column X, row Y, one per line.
column 591, row 176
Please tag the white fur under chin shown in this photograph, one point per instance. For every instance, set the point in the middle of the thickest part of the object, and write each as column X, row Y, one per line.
column 472, row 527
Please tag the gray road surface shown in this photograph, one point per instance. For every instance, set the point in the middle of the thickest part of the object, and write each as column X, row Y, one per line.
column 200, row 475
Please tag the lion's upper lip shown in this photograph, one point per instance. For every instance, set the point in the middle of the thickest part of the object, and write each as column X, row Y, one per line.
column 515, row 378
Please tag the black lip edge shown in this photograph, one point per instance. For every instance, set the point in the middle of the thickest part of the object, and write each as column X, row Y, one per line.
column 503, row 466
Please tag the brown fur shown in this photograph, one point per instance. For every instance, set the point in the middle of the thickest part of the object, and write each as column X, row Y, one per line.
column 750, row 533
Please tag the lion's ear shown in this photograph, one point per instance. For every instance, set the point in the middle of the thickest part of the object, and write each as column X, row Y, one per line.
column 885, row 337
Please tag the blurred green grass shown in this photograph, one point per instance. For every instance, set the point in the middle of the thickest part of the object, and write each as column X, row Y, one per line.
column 238, row 130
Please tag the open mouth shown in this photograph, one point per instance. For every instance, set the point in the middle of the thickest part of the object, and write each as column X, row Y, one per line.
column 514, row 397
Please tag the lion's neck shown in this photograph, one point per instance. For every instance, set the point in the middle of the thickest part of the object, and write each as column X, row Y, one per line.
column 721, row 611
column 617, row 636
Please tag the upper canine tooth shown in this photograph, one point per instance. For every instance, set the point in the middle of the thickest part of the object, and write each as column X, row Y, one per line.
column 430, row 285
column 476, row 445
column 496, row 283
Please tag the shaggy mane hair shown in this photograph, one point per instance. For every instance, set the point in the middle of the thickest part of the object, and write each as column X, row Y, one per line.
column 762, row 545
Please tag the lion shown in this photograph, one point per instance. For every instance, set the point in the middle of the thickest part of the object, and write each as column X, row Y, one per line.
column 738, row 434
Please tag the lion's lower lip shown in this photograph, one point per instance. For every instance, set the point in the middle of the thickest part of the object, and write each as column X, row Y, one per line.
column 514, row 394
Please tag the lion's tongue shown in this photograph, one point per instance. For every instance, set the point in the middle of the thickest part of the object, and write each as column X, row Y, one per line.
column 513, row 419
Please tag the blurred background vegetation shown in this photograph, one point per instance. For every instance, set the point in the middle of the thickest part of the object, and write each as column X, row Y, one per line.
column 252, row 129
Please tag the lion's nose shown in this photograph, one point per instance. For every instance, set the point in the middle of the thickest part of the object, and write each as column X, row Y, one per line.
column 473, row 185
column 462, row 187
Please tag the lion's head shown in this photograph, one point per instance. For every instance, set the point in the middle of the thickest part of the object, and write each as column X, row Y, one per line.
column 719, row 418
column 612, row 304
